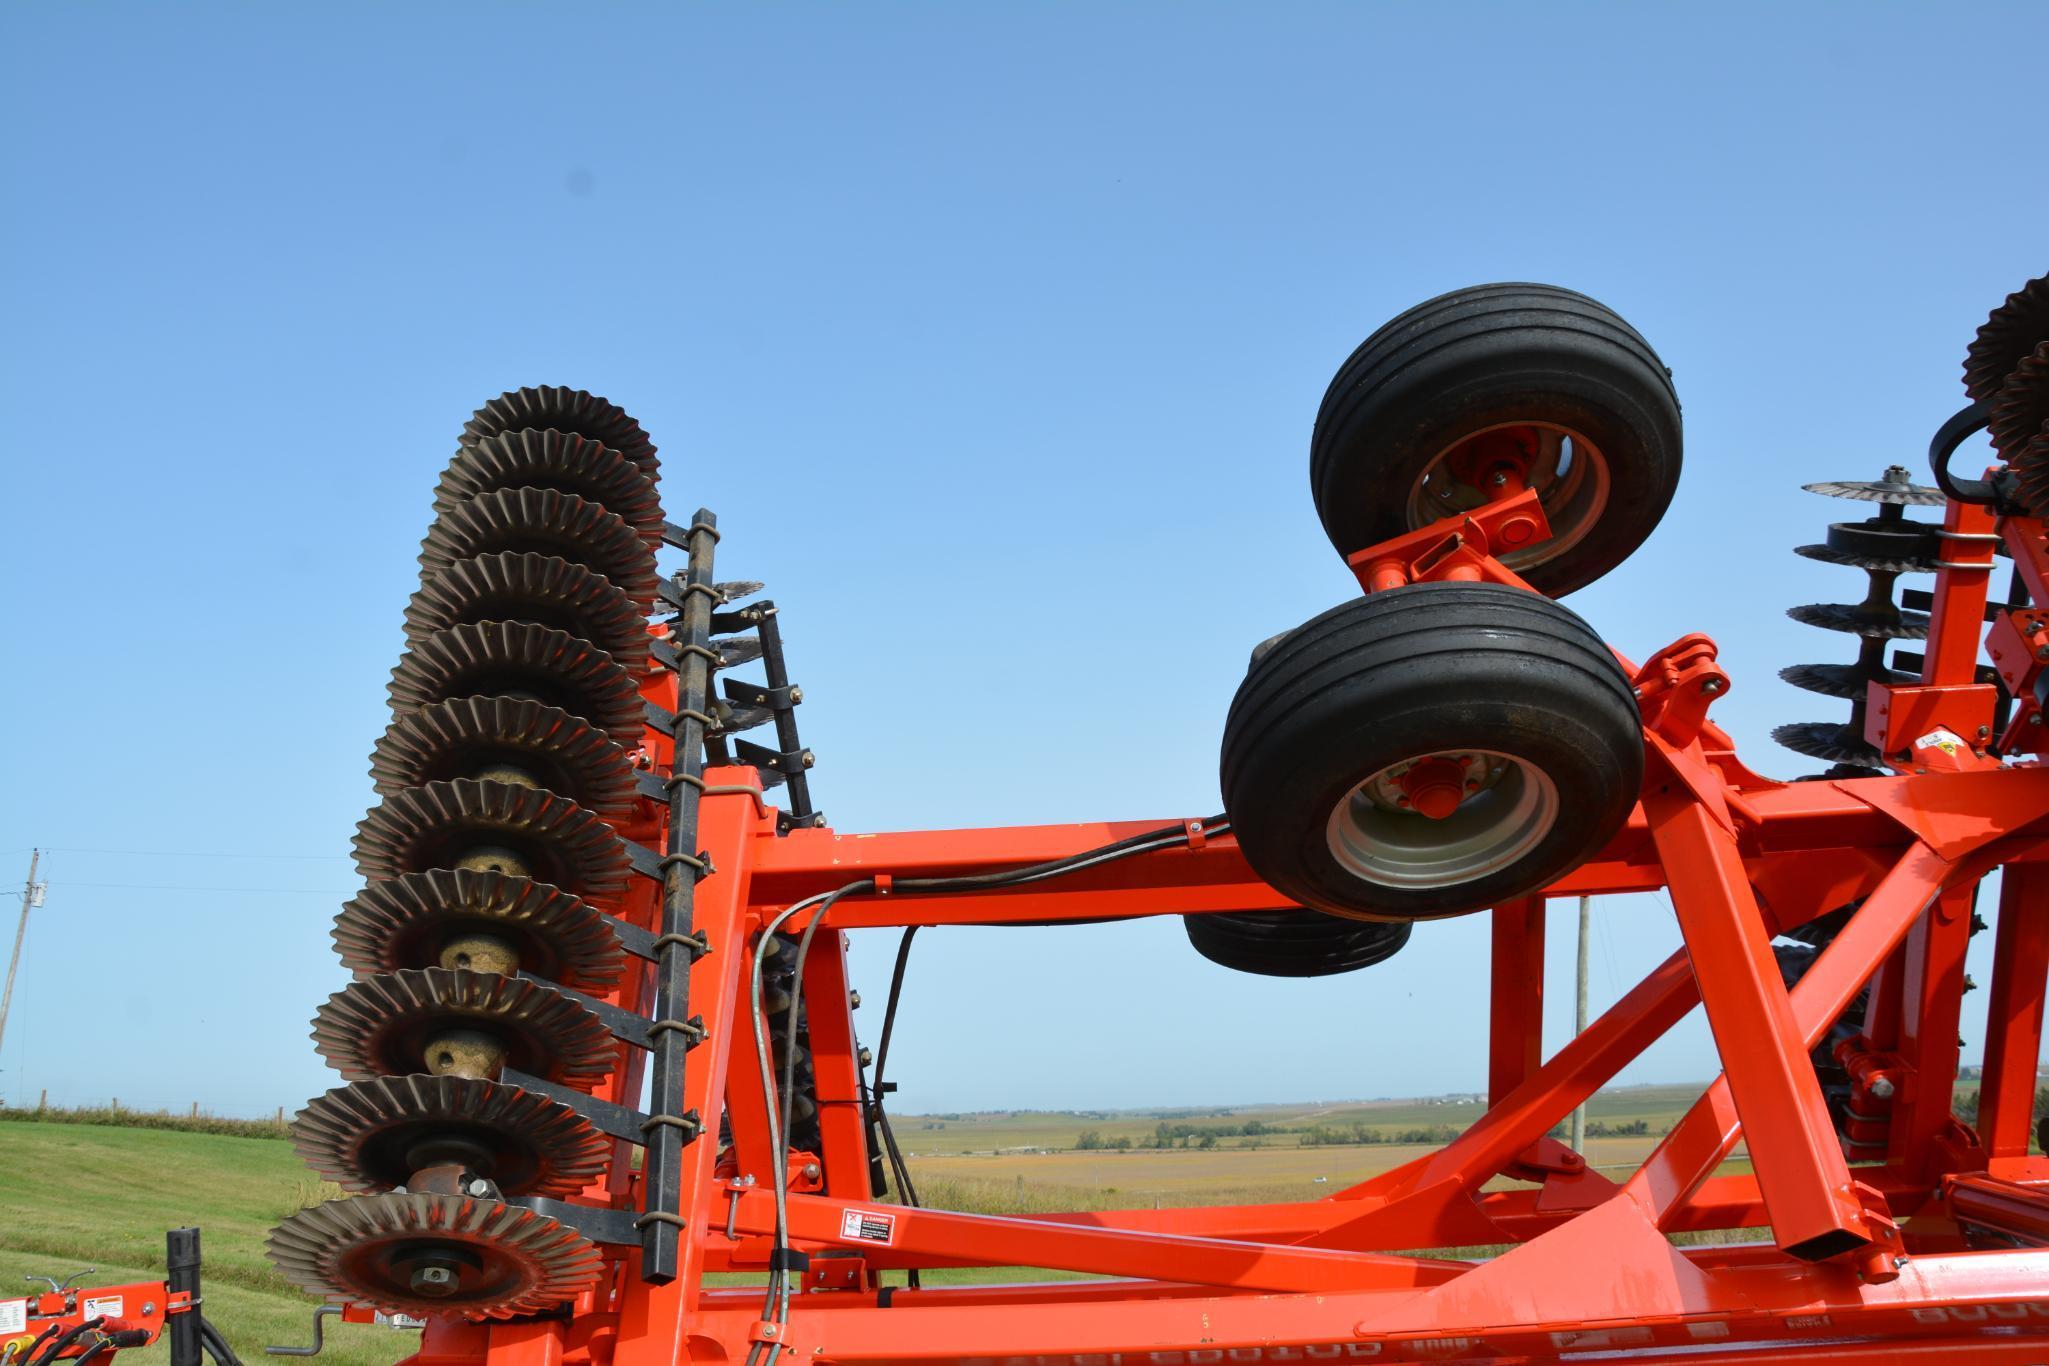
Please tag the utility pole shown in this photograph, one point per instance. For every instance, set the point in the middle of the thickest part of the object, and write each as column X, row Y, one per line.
column 1579, row 1016
column 32, row 894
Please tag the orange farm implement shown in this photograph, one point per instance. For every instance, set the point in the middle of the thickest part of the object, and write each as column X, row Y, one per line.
column 600, row 1044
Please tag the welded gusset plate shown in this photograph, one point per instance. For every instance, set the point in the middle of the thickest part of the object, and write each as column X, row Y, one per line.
column 1840, row 680
column 1830, row 740
column 1872, row 624
column 498, row 1260
column 546, row 590
column 491, row 828
column 505, row 739
column 1896, row 488
column 2020, row 410
column 553, row 460
column 424, row 920
column 563, row 410
column 544, row 522
column 1870, row 564
column 2014, row 329
column 519, row 659
column 374, row 1135
column 459, row 1023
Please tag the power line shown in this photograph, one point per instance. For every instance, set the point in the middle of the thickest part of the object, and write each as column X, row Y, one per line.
column 194, row 887
column 200, row 853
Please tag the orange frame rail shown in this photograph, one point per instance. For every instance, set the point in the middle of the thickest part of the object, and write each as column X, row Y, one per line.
column 1840, row 1262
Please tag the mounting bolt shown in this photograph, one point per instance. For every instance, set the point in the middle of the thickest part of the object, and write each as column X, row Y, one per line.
column 853, row 1000
column 810, row 1172
column 1711, row 686
column 769, row 1331
column 1881, row 1087
column 434, row 1280
column 148, row 1307
column 1984, row 731
column 480, row 1188
column 796, row 694
column 809, row 758
column 1498, row 478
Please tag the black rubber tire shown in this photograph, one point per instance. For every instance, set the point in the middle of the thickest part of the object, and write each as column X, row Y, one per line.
column 1293, row 943
column 1485, row 357
column 1414, row 671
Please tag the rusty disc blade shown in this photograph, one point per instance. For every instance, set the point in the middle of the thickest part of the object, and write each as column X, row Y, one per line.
column 506, row 739
column 421, row 920
column 518, row 659
column 502, row 1260
column 373, row 1135
column 2014, row 330
column 544, row 522
column 2020, row 410
column 491, row 827
column 575, row 411
column 553, row 460
column 545, row 590
column 394, row 1025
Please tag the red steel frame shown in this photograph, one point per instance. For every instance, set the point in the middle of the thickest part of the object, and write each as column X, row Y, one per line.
column 1858, row 1262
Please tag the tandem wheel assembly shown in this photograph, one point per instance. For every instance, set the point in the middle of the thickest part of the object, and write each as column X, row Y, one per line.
column 1445, row 745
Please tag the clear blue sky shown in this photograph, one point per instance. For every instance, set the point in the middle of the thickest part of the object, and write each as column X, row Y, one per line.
column 1017, row 316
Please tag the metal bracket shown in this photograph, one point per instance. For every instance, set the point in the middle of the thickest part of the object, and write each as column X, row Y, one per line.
column 746, row 694
column 615, row 1227
column 625, row 1025
column 789, row 763
column 607, row 1117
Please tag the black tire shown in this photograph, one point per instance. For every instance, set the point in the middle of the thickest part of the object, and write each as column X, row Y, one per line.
column 1492, row 357
column 1515, row 681
column 1293, row 943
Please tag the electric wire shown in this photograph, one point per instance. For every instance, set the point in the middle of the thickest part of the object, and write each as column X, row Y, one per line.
column 776, row 1304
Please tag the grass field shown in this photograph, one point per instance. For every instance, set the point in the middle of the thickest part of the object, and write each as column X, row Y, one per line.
column 102, row 1194
column 77, row 1195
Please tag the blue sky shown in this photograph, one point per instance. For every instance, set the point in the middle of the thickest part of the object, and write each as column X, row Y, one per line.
column 993, row 334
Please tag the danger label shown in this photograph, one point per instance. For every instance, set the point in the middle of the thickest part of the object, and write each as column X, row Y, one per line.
column 13, row 1316
column 868, row 1226
column 1948, row 741
column 105, row 1306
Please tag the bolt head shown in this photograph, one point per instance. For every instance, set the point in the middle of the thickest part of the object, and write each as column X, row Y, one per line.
column 434, row 1280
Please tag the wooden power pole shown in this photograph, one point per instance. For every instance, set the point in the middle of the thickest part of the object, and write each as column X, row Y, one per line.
column 32, row 893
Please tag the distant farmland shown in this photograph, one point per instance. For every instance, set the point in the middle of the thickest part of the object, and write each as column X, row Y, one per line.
column 1038, row 1159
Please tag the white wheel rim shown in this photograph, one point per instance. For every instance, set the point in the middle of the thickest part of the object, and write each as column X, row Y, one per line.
column 1376, row 841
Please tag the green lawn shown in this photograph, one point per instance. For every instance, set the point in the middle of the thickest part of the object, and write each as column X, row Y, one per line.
column 77, row 1195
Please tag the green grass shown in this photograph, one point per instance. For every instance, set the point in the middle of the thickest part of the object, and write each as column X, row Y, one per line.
column 77, row 1195
column 99, row 1188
